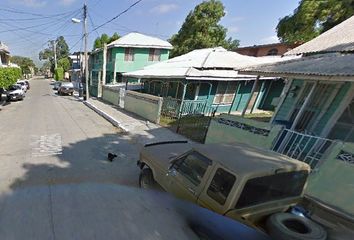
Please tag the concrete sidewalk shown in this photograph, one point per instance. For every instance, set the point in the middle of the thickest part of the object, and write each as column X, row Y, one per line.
column 142, row 131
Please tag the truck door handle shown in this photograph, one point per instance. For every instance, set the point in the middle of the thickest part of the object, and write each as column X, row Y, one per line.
column 191, row 190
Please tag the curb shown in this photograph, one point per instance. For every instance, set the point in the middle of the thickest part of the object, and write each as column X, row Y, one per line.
column 106, row 116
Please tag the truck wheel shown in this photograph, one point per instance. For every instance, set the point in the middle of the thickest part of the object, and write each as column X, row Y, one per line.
column 146, row 179
column 286, row 226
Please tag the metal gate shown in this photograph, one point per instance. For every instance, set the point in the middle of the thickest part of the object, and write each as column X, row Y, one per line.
column 303, row 147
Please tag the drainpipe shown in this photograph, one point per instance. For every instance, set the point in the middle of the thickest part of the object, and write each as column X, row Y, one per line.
column 251, row 95
column 104, row 62
column 303, row 107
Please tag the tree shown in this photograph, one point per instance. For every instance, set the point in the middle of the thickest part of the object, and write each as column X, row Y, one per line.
column 313, row 17
column 104, row 39
column 64, row 63
column 62, row 50
column 26, row 64
column 201, row 29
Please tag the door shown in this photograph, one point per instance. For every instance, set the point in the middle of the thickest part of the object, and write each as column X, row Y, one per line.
column 219, row 191
column 187, row 176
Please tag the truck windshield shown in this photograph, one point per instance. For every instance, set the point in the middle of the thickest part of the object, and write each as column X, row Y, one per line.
column 270, row 188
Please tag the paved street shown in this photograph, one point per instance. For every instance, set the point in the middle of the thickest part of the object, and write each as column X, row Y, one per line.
column 50, row 139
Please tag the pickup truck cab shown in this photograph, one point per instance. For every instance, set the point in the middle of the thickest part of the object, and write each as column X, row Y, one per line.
column 236, row 180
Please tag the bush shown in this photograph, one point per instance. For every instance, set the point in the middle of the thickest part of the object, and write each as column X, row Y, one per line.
column 9, row 76
column 59, row 74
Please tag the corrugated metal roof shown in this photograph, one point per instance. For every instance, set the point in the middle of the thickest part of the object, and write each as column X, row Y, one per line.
column 216, row 63
column 139, row 40
column 338, row 39
column 323, row 66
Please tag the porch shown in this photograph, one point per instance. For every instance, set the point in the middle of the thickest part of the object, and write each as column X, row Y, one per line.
column 183, row 97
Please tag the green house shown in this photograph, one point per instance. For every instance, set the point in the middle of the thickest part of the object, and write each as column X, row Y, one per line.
column 206, row 80
column 129, row 53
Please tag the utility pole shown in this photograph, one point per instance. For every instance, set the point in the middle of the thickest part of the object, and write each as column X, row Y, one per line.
column 86, row 54
column 54, row 42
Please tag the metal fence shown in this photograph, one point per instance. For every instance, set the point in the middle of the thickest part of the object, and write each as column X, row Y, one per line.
column 303, row 147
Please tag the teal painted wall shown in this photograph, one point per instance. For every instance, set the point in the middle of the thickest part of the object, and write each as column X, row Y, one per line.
column 343, row 91
column 289, row 102
column 141, row 59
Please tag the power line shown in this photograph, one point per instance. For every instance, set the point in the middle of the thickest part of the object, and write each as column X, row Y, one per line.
column 117, row 16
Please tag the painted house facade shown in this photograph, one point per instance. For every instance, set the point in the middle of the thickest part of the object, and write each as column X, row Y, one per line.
column 129, row 53
column 4, row 55
column 207, row 80
column 319, row 97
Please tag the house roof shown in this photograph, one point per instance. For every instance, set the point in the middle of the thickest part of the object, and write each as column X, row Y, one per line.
column 209, row 63
column 4, row 48
column 338, row 39
column 138, row 40
column 330, row 66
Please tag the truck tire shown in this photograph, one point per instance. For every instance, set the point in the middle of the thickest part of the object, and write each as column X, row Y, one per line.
column 286, row 226
column 146, row 179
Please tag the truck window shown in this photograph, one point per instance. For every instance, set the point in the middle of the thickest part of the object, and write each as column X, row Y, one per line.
column 271, row 188
column 193, row 167
column 221, row 186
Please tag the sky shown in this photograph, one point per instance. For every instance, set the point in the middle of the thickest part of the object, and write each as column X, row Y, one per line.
column 26, row 26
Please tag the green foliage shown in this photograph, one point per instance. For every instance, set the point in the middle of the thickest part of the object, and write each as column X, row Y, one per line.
column 9, row 76
column 62, row 50
column 64, row 63
column 104, row 39
column 25, row 63
column 59, row 74
column 313, row 17
column 201, row 29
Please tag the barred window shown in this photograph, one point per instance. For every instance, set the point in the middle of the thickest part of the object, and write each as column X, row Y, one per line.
column 225, row 92
column 129, row 54
column 154, row 55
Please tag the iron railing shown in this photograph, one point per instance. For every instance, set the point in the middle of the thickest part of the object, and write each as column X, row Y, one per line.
column 301, row 146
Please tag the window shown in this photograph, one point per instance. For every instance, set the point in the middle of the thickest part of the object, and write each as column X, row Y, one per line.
column 221, row 186
column 271, row 188
column 225, row 92
column 129, row 55
column 119, row 77
column 193, row 167
column 272, row 52
column 109, row 55
column 154, row 55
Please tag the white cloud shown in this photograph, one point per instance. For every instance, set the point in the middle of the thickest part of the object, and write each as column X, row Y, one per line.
column 30, row 3
column 233, row 29
column 66, row 2
column 270, row 39
column 164, row 8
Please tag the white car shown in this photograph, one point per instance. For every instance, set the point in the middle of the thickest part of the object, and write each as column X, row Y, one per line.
column 15, row 92
column 23, row 85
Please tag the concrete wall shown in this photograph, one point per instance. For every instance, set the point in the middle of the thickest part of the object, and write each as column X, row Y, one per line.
column 229, row 128
column 333, row 182
column 110, row 94
column 144, row 105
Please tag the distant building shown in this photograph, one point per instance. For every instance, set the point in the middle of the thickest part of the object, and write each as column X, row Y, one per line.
column 273, row 49
column 77, row 67
column 4, row 55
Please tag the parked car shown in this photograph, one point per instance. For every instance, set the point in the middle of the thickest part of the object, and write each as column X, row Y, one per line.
column 239, row 181
column 23, row 85
column 57, row 85
column 66, row 88
column 15, row 92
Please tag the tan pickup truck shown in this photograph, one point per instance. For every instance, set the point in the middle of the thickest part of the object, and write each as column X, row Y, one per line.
column 239, row 181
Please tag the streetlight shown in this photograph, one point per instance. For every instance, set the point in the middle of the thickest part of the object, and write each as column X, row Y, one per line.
column 75, row 20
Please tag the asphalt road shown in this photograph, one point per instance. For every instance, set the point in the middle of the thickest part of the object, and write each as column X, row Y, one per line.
column 51, row 139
